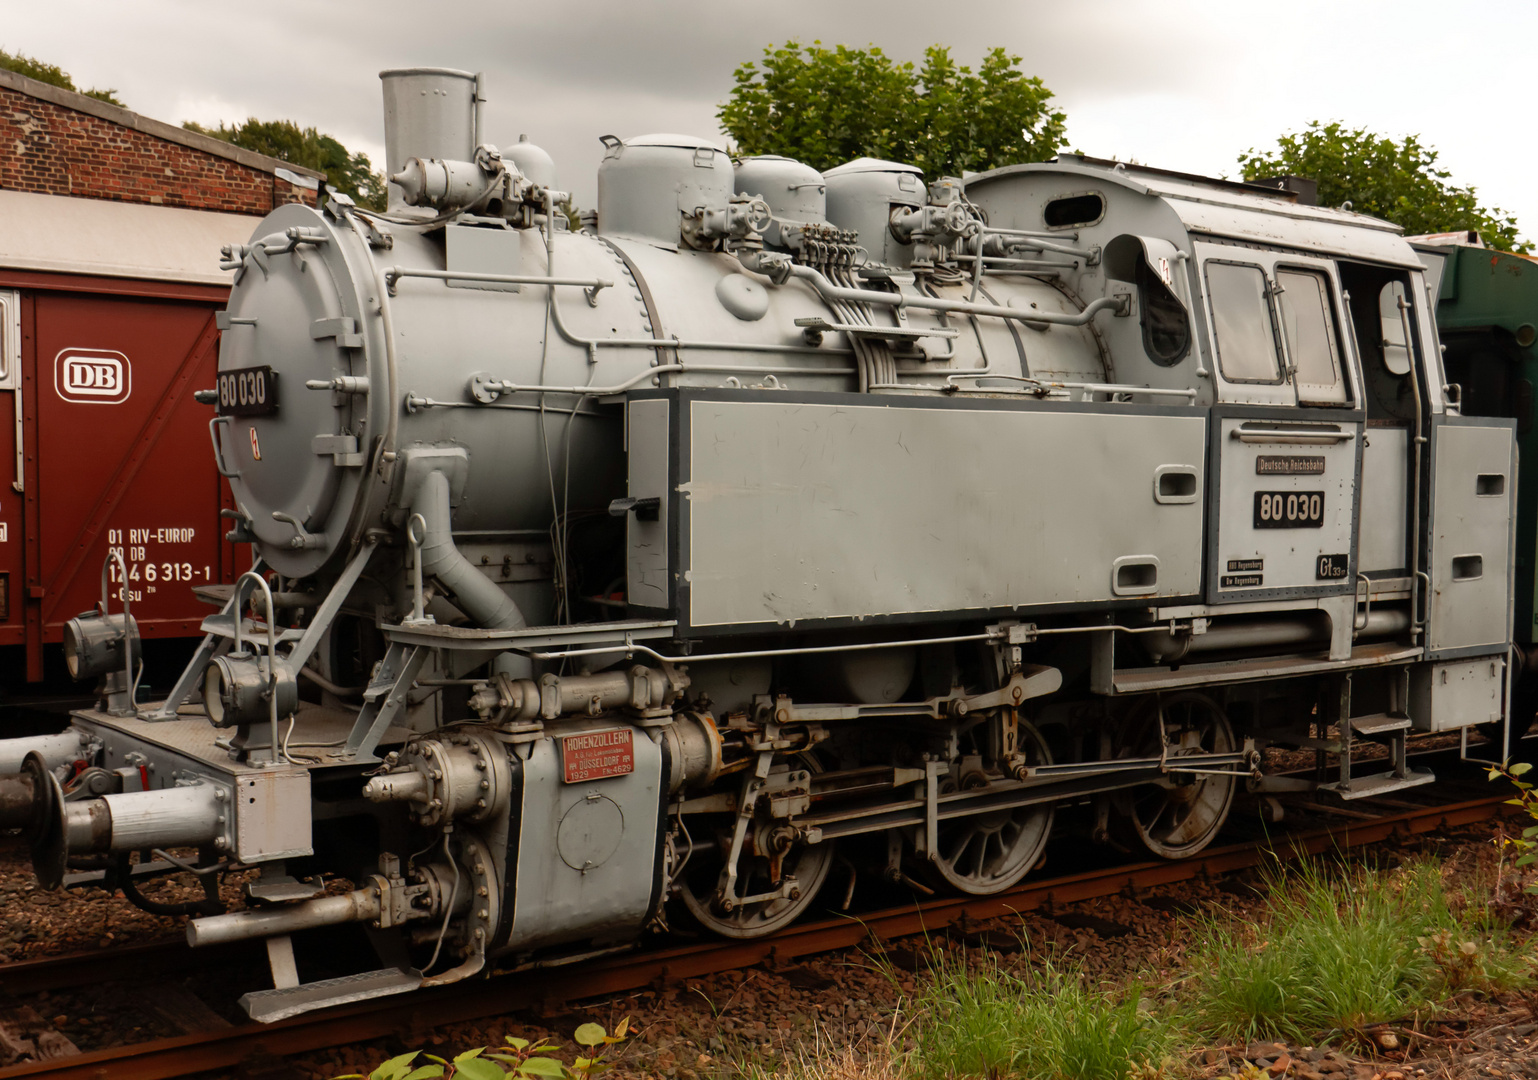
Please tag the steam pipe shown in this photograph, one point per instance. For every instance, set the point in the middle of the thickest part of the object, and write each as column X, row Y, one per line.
column 477, row 595
column 360, row 905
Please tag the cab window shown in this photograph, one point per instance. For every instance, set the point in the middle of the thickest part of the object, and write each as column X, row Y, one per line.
column 1244, row 335
column 1308, row 326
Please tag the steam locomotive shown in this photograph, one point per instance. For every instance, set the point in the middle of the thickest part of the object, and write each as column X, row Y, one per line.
column 615, row 576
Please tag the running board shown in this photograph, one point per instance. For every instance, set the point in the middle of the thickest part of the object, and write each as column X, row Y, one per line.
column 1367, row 787
column 270, row 1006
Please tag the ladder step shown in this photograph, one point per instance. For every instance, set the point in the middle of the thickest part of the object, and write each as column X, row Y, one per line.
column 269, row 1006
column 1366, row 787
column 1379, row 723
column 222, row 625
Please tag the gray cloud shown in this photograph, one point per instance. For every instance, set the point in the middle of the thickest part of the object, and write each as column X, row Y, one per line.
column 1187, row 84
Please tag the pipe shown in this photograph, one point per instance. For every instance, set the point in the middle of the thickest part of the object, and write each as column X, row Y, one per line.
column 477, row 595
column 1265, row 634
column 832, row 292
column 360, row 905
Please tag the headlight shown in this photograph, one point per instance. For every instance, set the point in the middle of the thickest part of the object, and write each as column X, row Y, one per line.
column 235, row 690
column 95, row 644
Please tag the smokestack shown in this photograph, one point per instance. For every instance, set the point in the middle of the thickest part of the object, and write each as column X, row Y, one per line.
column 429, row 113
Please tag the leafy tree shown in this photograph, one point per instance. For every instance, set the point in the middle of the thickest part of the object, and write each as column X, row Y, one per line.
column 351, row 174
column 51, row 74
column 825, row 106
column 1399, row 182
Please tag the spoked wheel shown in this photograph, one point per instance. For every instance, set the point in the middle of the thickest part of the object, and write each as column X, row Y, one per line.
column 771, row 862
column 988, row 853
column 1180, row 814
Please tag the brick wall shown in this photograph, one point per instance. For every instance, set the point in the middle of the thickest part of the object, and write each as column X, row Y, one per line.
column 61, row 143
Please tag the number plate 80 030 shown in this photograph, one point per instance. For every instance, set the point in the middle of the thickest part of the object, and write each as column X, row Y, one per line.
column 1289, row 509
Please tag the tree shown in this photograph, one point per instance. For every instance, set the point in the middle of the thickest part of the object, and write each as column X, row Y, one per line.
column 51, row 74
column 826, row 106
column 351, row 174
column 1399, row 182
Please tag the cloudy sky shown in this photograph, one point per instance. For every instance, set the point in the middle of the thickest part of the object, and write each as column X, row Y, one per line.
column 1182, row 84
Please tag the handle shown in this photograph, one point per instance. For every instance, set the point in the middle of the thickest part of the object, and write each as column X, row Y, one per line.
column 213, row 433
column 1292, row 436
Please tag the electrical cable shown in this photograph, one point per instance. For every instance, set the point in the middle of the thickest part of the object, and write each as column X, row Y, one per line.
column 448, row 908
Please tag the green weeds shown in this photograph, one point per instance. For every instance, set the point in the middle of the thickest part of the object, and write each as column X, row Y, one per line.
column 1045, row 1024
column 1333, row 954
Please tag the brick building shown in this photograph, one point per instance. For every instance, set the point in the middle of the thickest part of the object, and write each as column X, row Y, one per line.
column 111, row 228
column 58, row 142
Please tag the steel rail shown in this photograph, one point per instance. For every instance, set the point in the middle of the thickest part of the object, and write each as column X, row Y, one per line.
column 126, row 962
column 184, row 1055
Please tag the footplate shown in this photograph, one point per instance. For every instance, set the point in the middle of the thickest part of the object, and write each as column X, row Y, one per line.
column 1366, row 787
column 269, row 1006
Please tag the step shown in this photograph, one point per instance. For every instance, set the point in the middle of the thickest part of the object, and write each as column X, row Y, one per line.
column 1379, row 723
column 269, row 1006
column 1366, row 787
column 223, row 625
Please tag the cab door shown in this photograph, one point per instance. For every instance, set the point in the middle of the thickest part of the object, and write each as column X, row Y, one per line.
column 1473, row 516
column 1286, row 432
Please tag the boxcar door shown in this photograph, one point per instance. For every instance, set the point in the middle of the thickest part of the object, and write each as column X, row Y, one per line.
column 11, row 523
column 1286, row 432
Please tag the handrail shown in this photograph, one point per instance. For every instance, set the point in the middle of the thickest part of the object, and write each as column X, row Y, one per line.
column 830, row 291
column 592, row 285
column 1189, row 394
column 219, row 453
column 482, row 384
column 1292, row 436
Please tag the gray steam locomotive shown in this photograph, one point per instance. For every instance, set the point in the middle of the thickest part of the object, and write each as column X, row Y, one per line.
column 632, row 572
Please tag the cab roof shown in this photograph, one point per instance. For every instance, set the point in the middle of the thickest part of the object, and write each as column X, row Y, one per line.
column 1214, row 208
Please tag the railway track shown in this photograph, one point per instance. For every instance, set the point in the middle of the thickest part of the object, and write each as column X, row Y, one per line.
column 226, row 1047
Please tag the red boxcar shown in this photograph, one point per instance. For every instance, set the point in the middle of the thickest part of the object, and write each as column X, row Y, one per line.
column 107, row 311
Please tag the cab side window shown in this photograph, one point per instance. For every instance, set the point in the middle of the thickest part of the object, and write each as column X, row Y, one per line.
column 1243, row 328
column 1308, row 326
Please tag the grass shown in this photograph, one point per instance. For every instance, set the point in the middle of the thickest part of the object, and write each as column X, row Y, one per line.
column 1332, row 951
column 1334, row 954
column 1045, row 1024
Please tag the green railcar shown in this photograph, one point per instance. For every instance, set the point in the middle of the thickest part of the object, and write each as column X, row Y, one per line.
column 1487, row 318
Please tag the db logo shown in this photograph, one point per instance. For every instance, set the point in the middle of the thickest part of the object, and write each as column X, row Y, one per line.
column 92, row 376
